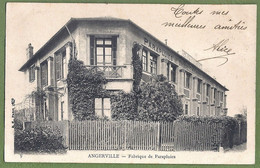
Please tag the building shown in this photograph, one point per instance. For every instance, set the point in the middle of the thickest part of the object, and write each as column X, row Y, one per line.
column 106, row 44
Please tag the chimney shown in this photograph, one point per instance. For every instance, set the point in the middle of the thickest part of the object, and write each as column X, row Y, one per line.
column 29, row 51
column 166, row 41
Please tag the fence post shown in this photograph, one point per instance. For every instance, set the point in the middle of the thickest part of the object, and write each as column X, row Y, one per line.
column 67, row 128
column 158, row 136
column 125, row 134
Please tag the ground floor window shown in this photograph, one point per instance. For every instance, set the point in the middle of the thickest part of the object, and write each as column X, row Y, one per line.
column 102, row 107
column 198, row 111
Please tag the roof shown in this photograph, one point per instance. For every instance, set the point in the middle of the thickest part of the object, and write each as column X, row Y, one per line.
column 75, row 20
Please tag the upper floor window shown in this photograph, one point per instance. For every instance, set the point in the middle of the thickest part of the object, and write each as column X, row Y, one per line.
column 60, row 67
column 103, row 51
column 215, row 93
column 208, row 90
column 153, row 63
column 199, row 86
column 144, row 59
column 173, row 72
column 32, row 73
column 221, row 96
column 44, row 73
column 187, row 80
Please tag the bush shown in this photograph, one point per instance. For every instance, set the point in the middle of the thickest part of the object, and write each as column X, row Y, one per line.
column 39, row 139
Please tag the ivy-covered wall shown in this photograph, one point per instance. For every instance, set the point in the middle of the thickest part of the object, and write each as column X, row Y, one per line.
column 83, row 86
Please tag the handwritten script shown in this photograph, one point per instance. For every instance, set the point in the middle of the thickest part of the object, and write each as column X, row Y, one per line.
column 220, row 47
column 187, row 19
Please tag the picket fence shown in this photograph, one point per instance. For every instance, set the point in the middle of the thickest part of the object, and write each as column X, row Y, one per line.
column 197, row 137
column 140, row 135
column 120, row 135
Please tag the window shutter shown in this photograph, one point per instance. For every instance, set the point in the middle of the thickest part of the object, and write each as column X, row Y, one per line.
column 58, row 66
column 44, row 74
column 114, row 46
column 92, row 57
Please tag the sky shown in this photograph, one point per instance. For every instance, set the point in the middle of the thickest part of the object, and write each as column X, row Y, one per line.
column 36, row 23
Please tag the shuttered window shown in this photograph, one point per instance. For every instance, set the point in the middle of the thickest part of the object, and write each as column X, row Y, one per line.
column 32, row 74
column 60, row 61
column 44, row 73
column 103, row 51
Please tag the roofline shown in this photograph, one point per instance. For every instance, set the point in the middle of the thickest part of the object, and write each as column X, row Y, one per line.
column 114, row 19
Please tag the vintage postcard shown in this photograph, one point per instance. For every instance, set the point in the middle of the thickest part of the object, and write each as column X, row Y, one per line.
column 130, row 83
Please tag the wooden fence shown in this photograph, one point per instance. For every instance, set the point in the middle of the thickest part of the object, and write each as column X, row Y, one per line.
column 120, row 135
column 197, row 137
column 140, row 135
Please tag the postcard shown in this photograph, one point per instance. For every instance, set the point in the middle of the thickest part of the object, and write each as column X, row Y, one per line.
column 130, row 83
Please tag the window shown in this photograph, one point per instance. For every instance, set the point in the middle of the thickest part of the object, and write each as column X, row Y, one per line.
column 144, row 60
column 103, row 50
column 153, row 63
column 187, row 80
column 61, row 110
column 173, row 72
column 221, row 96
column 60, row 67
column 32, row 73
column 215, row 93
column 102, row 107
column 198, row 111
column 44, row 73
column 199, row 86
column 186, row 109
column 208, row 90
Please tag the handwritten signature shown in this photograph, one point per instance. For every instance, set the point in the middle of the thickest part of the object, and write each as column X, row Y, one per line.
column 222, row 48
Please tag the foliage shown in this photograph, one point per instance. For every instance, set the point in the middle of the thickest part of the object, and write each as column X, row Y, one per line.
column 227, row 125
column 123, row 106
column 18, row 125
column 40, row 139
column 138, row 67
column 38, row 95
column 156, row 101
column 83, row 86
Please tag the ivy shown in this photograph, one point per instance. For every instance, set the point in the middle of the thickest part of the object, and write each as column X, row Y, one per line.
column 137, row 67
column 155, row 101
column 84, row 85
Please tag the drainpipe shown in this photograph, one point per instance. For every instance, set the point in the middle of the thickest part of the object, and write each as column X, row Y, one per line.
column 73, row 42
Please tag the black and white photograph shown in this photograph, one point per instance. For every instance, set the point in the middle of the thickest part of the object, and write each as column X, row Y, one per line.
column 130, row 83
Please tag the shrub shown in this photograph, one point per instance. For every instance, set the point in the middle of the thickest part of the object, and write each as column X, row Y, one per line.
column 39, row 139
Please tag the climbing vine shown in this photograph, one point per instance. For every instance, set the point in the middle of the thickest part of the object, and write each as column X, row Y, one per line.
column 138, row 67
column 84, row 85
